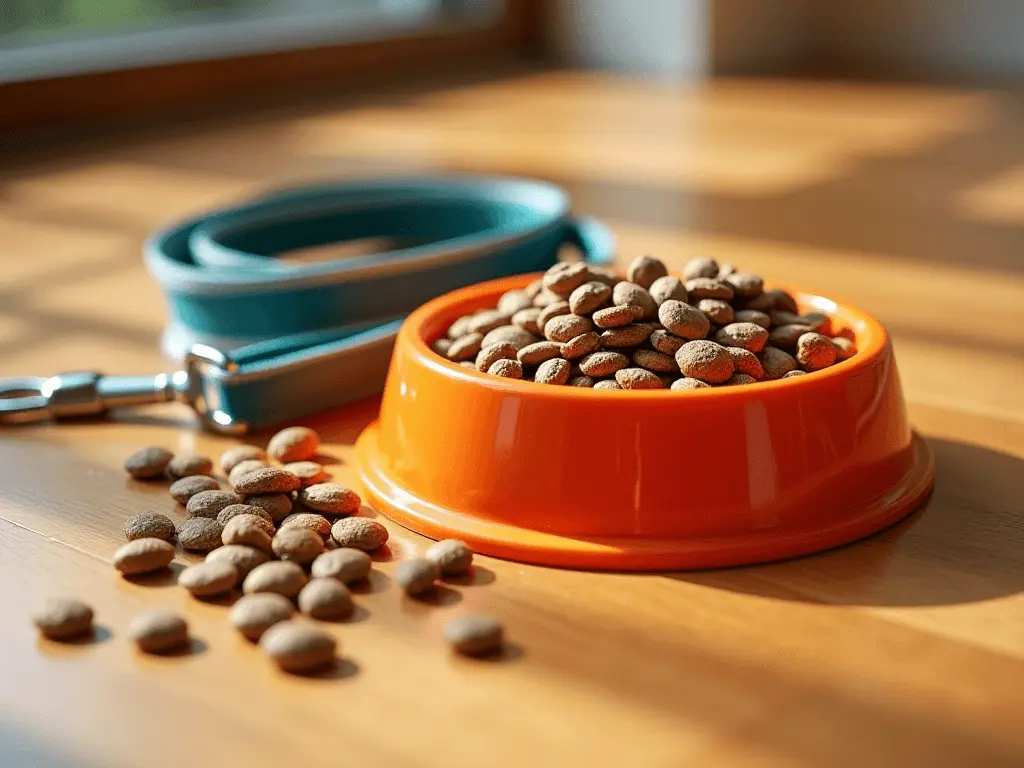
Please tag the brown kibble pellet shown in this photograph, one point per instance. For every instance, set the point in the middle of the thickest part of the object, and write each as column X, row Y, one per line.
column 459, row 328
column 845, row 349
column 658, row 362
column 278, row 576
column 267, row 480
column 513, row 301
column 553, row 372
column 815, row 351
column 247, row 530
column 785, row 336
column 665, row 342
column 603, row 363
column 199, row 534
column 507, row 369
column 546, row 298
column 667, row 287
column 486, row 321
column 746, row 362
column 488, row 356
column 297, row 647
column 794, row 374
column 557, row 309
column 308, row 472
column 527, row 320
column 345, row 564
column 210, row 503
column 719, row 312
column 738, row 379
column 209, row 579
column 704, row 360
column 441, row 346
column 565, row 277
column 509, row 334
column 749, row 336
column 254, row 614
column 607, row 384
column 189, row 464
column 310, row 521
column 158, row 631
column 745, row 285
column 63, row 619
column 417, row 575
column 566, row 327
column 644, row 270
column 359, row 533
column 588, row 297
column 637, row 378
column 683, row 320
column 143, row 556
column 700, row 268
column 581, row 345
column 148, row 463
column 754, row 316
column 688, row 383
column 452, row 556
column 819, row 322
column 277, row 505
column 631, row 294
column 606, row 275
column 234, row 510
column 294, row 444
column 184, row 489
column 326, row 599
column 535, row 354
column 785, row 317
column 709, row 288
column 580, row 381
column 614, row 317
column 465, row 347
column 243, row 558
column 776, row 363
column 779, row 300
column 726, row 269
column 626, row 336
column 330, row 499
column 243, row 468
column 474, row 634
column 232, row 457
column 149, row 526
column 298, row 545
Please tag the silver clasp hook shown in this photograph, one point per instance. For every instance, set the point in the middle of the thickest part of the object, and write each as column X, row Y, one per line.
column 32, row 399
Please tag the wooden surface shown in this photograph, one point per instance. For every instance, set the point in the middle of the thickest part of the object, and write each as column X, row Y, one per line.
column 905, row 649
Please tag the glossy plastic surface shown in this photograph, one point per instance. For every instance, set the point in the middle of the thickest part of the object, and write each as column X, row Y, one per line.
column 656, row 479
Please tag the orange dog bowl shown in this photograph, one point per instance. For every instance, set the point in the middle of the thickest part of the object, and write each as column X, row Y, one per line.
column 636, row 480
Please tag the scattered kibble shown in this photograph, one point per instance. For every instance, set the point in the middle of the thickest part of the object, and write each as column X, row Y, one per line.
column 63, row 619
column 209, row 579
column 294, row 444
column 705, row 360
column 184, row 489
column 244, row 467
column 298, row 545
column 278, row 576
column 310, row 521
column 326, row 599
column 243, row 558
column 452, row 556
column 149, row 526
column 211, row 503
column 143, row 556
column 474, row 634
column 359, row 533
column 249, row 531
column 507, row 369
column 148, row 463
column 330, row 499
column 815, row 351
column 277, row 505
column 199, row 534
column 232, row 457
column 234, row 510
column 189, row 464
column 298, row 647
column 158, row 631
column 308, row 472
column 417, row 575
column 347, row 565
column 254, row 614
column 267, row 480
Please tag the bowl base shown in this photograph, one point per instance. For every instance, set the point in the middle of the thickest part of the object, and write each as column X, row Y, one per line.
column 636, row 553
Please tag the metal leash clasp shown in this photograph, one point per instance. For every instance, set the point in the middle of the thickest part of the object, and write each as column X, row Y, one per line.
column 31, row 399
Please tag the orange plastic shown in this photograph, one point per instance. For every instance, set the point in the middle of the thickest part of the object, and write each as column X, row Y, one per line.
column 657, row 479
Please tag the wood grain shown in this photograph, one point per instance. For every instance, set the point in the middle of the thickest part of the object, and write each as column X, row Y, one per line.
column 904, row 649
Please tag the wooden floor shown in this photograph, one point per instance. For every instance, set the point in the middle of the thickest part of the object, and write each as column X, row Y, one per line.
column 906, row 649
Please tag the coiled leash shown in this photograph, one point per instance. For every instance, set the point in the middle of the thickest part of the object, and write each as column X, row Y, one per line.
column 264, row 341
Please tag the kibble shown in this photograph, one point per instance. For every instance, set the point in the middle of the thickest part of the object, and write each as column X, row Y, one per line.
column 184, row 489
column 143, row 556
column 738, row 379
column 441, row 346
column 565, row 327
column 563, row 278
column 294, row 444
column 209, row 579
column 189, row 464
column 417, row 575
column 794, row 374
column 526, row 320
column 452, row 556
column 644, row 270
column 308, row 472
column 277, row 576
column 845, row 349
column 509, row 334
column 330, row 499
column 626, row 336
column 63, row 619
column 709, row 288
column 636, row 296
column 637, row 378
column 746, row 362
column 327, row 599
column 513, row 301
column 581, row 345
column 345, row 564
column 267, row 480
column 658, row 362
column 615, row 317
column 158, row 631
column 254, row 614
column 704, row 360
column 234, row 510
column 465, row 347
column 607, row 384
column 553, row 372
column 700, row 268
column 199, row 534
column 148, row 463
column 745, row 285
column 243, row 468
column 589, row 297
column 667, row 287
column 665, row 342
column 815, row 351
column 603, row 363
column 149, row 526
column 551, row 311
column 243, row 558
column 232, row 457
column 486, row 321
column 688, row 383
column 580, row 381
column 753, row 316
column 489, row 355
column 210, row 503
column 247, row 530
column 819, row 322
column 310, row 521
column 507, row 369
column 474, row 634
column 776, row 363
column 298, row 545
column 682, row 320
column 748, row 336
column 785, row 317
column 359, row 533
column 297, row 647
column 459, row 328
column 719, row 312
column 535, row 354
column 785, row 336
column 277, row 505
